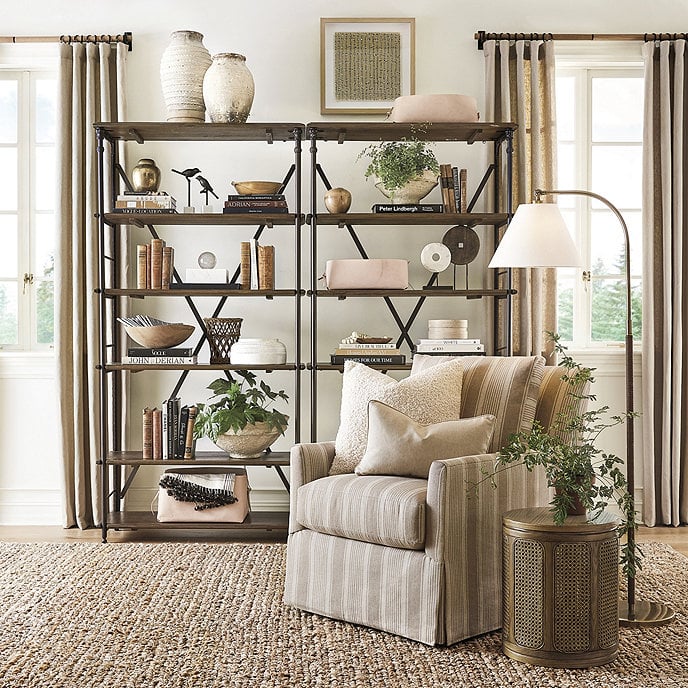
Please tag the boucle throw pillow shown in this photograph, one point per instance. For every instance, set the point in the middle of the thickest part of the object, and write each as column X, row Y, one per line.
column 428, row 397
column 398, row 445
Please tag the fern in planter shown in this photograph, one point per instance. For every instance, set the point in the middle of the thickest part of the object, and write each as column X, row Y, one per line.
column 573, row 464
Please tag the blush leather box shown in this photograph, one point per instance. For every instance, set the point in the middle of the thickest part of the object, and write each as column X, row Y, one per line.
column 172, row 511
column 450, row 107
column 366, row 273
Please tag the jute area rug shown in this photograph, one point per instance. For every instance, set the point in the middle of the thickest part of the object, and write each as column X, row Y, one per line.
column 173, row 615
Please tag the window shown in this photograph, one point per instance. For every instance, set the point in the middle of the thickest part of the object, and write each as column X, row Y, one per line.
column 27, row 208
column 599, row 129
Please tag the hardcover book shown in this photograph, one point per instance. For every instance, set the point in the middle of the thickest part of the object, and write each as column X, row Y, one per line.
column 175, row 351
column 375, row 360
column 159, row 360
column 408, row 208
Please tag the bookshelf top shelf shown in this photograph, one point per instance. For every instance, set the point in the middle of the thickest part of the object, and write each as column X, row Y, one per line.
column 410, row 219
column 196, row 219
column 395, row 131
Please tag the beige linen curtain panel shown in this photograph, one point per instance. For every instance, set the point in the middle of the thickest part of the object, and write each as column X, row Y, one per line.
column 520, row 88
column 91, row 89
column 665, row 284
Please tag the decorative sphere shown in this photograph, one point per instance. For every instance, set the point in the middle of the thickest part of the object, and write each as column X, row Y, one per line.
column 207, row 260
column 338, row 200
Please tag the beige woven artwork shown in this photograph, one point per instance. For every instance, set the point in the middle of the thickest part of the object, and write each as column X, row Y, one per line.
column 367, row 66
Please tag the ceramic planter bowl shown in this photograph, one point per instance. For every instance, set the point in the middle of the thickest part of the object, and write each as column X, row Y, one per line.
column 248, row 443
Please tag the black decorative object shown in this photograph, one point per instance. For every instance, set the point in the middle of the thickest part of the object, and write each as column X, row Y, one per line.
column 189, row 173
column 463, row 244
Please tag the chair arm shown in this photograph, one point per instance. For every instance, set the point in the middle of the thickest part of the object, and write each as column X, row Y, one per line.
column 307, row 462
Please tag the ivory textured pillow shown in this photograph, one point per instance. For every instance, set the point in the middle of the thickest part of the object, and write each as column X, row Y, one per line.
column 398, row 445
column 428, row 397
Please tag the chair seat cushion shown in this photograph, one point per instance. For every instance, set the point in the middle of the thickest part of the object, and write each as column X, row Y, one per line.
column 384, row 510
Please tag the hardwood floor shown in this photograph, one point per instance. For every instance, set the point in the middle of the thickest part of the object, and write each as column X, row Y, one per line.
column 675, row 537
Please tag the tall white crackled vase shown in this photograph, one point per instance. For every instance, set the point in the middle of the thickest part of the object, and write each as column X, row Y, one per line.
column 228, row 89
column 182, row 67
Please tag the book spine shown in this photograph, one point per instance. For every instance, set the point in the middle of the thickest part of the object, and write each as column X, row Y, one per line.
column 356, row 345
column 141, row 266
column 255, row 204
column 156, row 263
column 238, row 211
column 456, row 190
column 463, row 189
column 167, row 266
column 174, row 429
column 165, row 204
column 408, row 208
column 266, row 267
column 159, row 196
column 157, row 433
column 144, row 211
column 147, row 452
column 392, row 360
column 181, row 435
column 160, row 360
column 449, row 341
column 190, row 443
column 447, row 348
column 245, row 272
column 162, row 353
column 165, row 420
column 367, row 352
column 148, row 266
column 255, row 280
column 446, row 186
column 256, row 197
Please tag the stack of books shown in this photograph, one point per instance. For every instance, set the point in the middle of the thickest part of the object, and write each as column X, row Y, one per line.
column 376, row 354
column 256, row 203
column 408, row 208
column 257, row 269
column 450, row 347
column 453, row 187
column 154, row 265
column 154, row 202
column 173, row 356
column 168, row 431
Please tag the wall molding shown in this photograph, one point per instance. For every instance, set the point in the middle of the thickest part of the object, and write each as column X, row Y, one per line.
column 22, row 365
column 30, row 507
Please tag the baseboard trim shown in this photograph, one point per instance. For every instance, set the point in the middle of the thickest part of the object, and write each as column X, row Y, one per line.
column 30, row 507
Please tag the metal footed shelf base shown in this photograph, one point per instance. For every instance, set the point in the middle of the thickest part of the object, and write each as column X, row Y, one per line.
column 645, row 614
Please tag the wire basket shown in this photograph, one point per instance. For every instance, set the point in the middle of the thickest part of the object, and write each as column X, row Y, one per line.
column 222, row 333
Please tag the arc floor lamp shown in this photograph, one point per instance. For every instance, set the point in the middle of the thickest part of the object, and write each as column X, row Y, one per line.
column 537, row 237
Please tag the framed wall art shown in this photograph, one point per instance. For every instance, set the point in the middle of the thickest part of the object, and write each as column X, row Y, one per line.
column 365, row 64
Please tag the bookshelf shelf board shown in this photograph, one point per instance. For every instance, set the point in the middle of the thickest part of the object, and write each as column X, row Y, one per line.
column 369, row 293
column 199, row 131
column 256, row 520
column 196, row 219
column 209, row 291
column 199, row 366
column 411, row 219
column 394, row 131
column 214, row 458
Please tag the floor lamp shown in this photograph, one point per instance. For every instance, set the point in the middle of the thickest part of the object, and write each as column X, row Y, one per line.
column 537, row 237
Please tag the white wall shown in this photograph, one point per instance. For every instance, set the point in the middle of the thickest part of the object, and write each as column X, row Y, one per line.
column 281, row 43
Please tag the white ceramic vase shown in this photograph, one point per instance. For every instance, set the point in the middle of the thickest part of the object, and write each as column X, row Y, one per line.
column 228, row 89
column 247, row 351
column 182, row 68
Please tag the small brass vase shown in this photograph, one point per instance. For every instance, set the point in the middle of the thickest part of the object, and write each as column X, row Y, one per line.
column 337, row 200
column 145, row 177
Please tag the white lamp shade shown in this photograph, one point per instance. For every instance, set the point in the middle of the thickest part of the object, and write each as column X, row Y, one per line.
column 537, row 237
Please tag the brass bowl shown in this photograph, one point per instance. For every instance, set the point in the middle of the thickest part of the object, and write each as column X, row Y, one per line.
column 160, row 336
column 250, row 188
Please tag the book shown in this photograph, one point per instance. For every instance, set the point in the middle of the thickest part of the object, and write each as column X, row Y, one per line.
column 173, row 421
column 166, row 202
column 167, row 266
column 375, row 360
column 148, row 266
column 447, row 188
column 448, row 348
column 180, row 437
column 408, row 208
column 147, row 423
column 157, row 433
column 463, row 189
column 159, row 360
column 245, row 269
column 164, row 447
column 457, row 189
column 358, row 345
column 145, row 196
column 266, row 267
column 256, row 197
column 450, row 353
column 175, row 351
column 255, row 204
column 254, row 264
column 254, row 210
column 141, row 266
column 366, row 352
column 448, row 341
column 144, row 211
column 156, row 263
column 190, row 442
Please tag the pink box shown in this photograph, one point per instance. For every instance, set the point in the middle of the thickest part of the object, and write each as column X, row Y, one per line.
column 367, row 273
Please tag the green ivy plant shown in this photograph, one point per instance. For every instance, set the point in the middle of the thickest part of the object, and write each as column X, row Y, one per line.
column 395, row 163
column 241, row 402
column 575, row 466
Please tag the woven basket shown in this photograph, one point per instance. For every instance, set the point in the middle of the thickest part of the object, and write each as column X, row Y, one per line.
column 222, row 333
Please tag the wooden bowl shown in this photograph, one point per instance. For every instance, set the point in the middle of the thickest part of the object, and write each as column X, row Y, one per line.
column 250, row 188
column 160, row 336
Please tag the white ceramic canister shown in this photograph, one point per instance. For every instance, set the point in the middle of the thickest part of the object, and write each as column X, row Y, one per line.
column 228, row 89
column 182, row 68
column 248, row 351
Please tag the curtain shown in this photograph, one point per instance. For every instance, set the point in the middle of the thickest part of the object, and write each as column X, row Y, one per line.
column 665, row 301
column 90, row 89
column 520, row 88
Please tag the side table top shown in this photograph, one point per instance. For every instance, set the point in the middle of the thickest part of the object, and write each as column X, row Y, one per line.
column 540, row 519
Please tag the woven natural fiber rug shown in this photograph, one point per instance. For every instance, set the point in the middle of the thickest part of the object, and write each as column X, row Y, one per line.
column 207, row 615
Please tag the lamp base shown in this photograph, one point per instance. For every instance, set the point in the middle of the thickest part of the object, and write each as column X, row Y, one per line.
column 645, row 614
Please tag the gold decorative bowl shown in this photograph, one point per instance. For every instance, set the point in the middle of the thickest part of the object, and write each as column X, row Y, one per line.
column 250, row 188
column 160, row 336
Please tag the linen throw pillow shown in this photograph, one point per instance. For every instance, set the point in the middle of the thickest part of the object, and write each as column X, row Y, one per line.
column 429, row 397
column 398, row 445
column 505, row 386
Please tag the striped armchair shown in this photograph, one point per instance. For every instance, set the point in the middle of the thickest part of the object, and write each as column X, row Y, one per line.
column 419, row 558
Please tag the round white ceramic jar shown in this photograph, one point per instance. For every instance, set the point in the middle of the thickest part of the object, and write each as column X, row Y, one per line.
column 247, row 351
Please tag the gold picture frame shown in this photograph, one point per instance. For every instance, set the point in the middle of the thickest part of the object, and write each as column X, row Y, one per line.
column 365, row 64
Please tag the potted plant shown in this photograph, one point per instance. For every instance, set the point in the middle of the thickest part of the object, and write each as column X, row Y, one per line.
column 240, row 422
column 584, row 477
column 406, row 171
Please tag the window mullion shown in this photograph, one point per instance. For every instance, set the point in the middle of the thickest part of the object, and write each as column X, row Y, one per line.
column 24, row 215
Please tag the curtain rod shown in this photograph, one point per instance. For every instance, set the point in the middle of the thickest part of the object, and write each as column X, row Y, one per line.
column 125, row 38
column 482, row 36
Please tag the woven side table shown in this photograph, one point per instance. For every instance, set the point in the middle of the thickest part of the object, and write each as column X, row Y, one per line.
column 560, row 589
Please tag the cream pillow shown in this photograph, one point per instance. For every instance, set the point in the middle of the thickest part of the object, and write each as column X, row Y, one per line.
column 429, row 397
column 398, row 445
